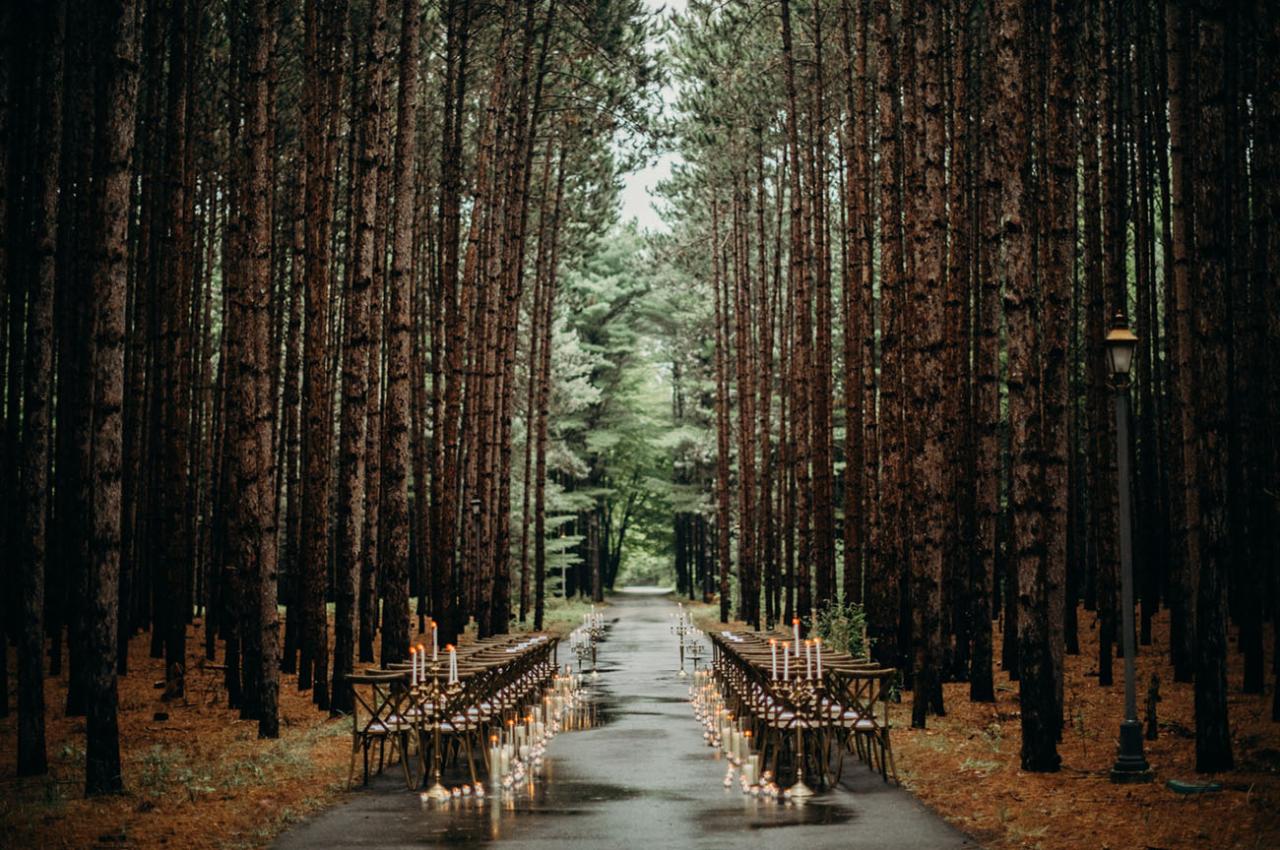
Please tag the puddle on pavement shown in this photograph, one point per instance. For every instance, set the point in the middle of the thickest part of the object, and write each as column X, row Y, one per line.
column 769, row 814
column 473, row 822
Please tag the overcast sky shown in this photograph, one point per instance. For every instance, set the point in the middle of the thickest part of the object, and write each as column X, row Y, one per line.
column 638, row 187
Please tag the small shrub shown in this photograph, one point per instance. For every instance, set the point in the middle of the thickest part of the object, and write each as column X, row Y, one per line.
column 843, row 626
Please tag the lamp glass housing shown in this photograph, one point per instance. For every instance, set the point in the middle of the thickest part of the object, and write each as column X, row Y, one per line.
column 1121, row 344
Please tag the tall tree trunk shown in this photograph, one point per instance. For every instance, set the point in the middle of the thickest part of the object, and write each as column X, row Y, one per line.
column 749, row 595
column 722, row 411
column 117, row 105
column 1035, row 664
column 352, row 495
column 173, row 240
column 1056, row 288
column 395, row 615
column 927, row 313
column 883, row 607
column 1210, row 312
column 252, row 406
column 37, row 402
column 543, row 404
column 321, row 85
column 1182, row 620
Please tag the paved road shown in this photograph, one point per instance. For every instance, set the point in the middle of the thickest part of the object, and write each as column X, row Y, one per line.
column 641, row 778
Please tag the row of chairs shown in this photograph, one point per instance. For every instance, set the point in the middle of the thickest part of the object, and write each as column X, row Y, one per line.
column 809, row 722
column 437, row 720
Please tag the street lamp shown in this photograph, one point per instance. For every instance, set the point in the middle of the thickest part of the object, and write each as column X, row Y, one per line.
column 1131, row 765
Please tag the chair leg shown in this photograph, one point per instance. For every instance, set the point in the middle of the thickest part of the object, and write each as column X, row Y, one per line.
column 471, row 763
column 351, row 770
column 410, row 780
column 893, row 767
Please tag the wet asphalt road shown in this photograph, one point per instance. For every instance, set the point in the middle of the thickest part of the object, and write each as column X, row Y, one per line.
column 640, row 778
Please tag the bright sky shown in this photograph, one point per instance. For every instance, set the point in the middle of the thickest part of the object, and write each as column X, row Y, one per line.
column 639, row 186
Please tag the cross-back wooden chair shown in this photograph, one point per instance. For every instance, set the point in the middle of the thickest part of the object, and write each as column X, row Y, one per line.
column 376, row 718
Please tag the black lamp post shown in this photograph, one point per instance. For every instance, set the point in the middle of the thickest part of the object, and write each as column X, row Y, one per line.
column 1131, row 765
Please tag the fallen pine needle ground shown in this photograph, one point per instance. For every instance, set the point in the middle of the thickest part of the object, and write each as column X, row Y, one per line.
column 200, row 780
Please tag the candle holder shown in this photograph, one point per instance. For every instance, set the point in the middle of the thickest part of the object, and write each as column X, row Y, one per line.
column 439, row 696
column 695, row 653
column 681, row 627
column 802, row 694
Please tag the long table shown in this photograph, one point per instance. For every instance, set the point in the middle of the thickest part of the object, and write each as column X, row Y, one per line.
column 429, row 711
column 808, row 717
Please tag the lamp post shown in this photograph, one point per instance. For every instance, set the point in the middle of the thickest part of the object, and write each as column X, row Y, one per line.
column 1131, row 765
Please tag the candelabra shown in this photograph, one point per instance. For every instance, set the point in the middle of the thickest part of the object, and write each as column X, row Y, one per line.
column 432, row 692
column 695, row 653
column 680, row 627
column 800, row 693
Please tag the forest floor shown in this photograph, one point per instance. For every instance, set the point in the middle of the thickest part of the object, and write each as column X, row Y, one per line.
column 966, row 765
column 201, row 779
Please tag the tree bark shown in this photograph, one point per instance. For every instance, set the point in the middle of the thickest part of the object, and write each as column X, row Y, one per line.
column 395, row 615
column 37, row 402
column 1210, row 311
column 117, row 105
column 352, row 495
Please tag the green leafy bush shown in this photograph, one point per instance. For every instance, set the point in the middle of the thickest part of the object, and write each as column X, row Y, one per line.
column 843, row 626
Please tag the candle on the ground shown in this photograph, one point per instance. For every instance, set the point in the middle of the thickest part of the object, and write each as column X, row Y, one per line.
column 495, row 759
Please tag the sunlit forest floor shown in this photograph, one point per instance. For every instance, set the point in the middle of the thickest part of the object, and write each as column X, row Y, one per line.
column 201, row 779
column 966, row 765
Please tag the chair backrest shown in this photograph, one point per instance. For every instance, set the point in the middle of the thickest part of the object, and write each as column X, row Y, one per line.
column 378, row 696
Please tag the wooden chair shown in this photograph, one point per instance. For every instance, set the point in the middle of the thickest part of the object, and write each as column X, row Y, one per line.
column 377, row 719
column 866, row 690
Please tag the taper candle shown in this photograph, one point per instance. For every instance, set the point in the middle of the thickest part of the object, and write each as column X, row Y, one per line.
column 773, row 652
